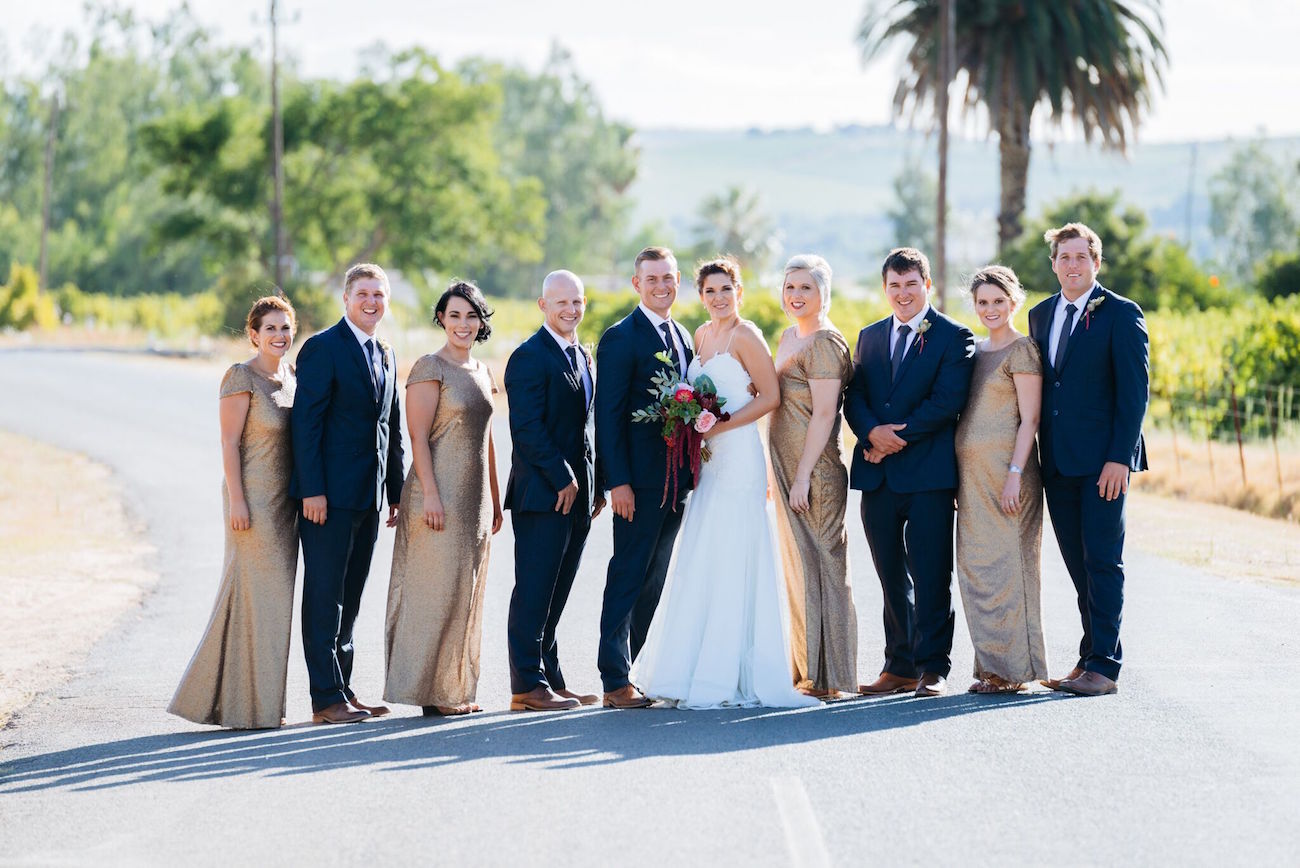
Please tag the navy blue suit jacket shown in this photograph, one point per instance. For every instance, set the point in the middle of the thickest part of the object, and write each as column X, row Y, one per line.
column 552, row 428
column 632, row 453
column 928, row 395
column 346, row 445
column 1093, row 407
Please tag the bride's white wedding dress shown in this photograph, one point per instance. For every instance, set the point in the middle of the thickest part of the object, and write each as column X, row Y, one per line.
column 720, row 636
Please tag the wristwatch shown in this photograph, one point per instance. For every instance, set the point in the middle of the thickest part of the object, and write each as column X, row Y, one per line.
column 1015, row 468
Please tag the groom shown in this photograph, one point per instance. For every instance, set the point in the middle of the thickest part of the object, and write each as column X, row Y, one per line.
column 911, row 375
column 634, row 458
column 1096, row 375
column 347, row 449
column 553, row 492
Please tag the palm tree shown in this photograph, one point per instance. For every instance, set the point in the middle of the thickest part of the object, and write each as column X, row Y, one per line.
column 735, row 222
column 1094, row 61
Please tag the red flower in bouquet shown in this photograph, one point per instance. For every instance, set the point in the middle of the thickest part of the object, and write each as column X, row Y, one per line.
column 687, row 412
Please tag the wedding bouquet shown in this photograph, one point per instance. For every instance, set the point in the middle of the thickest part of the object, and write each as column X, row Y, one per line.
column 687, row 412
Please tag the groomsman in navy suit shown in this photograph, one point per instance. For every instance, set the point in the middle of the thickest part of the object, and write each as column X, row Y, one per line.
column 911, row 375
column 347, row 451
column 634, row 458
column 553, row 492
column 1095, row 392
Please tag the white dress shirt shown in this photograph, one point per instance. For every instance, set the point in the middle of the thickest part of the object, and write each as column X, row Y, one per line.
column 375, row 359
column 911, row 335
column 1058, row 319
column 656, row 320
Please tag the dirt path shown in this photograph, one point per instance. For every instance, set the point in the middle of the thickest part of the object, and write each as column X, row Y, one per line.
column 74, row 562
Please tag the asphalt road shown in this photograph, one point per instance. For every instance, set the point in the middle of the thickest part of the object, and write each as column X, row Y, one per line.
column 1195, row 761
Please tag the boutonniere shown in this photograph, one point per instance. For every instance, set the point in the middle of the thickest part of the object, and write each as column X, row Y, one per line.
column 921, row 329
column 1088, row 310
column 386, row 349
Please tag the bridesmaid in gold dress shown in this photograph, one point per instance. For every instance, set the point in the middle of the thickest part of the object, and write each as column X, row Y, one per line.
column 814, row 365
column 1000, row 494
column 236, row 677
column 450, row 509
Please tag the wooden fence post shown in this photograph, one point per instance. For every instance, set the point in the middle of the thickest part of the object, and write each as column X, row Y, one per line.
column 1236, row 425
column 1209, row 436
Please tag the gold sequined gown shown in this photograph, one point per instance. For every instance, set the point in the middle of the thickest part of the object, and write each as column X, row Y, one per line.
column 236, row 677
column 998, row 556
column 814, row 546
column 434, row 625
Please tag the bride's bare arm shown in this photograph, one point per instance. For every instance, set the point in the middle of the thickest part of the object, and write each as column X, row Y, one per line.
column 751, row 351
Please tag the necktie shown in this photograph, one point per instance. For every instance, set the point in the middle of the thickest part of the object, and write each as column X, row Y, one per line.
column 1064, row 339
column 572, row 353
column 370, row 363
column 672, row 346
column 900, row 349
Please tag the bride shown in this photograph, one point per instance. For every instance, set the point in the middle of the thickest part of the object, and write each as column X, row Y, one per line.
column 720, row 637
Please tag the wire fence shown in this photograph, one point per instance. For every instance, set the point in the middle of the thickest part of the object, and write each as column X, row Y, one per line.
column 1248, row 417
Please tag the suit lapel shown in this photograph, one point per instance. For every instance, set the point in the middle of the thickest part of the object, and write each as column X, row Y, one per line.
column 875, row 355
column 558, row 356
column 353, row 348
column 1044, row 311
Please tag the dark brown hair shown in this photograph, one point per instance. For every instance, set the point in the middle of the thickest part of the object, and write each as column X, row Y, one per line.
column 719, row 265
column 474, row 296
column 901, row 260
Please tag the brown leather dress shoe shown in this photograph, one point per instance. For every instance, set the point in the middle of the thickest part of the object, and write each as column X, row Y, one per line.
column 1089, row 684
column 1055, row 683
column 584, row 698
column 339, row 713
column 627, row 696
column 886, row 684
column 931, row 685
column 540, row 699
column 374, row 710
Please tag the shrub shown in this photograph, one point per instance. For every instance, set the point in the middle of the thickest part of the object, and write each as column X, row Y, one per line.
column 22, row 304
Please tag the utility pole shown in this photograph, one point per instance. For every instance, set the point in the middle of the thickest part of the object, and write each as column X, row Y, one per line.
column 47, row 194
column 277, row 153
column 947, row 31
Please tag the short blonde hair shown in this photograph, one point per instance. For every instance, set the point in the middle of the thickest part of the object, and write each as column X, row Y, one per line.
column 361, row 271
column 820, row 270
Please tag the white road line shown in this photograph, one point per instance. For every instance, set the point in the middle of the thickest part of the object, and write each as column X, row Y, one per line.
column 803, row 835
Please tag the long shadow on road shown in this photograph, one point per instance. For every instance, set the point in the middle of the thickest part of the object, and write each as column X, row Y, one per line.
column 553, row 741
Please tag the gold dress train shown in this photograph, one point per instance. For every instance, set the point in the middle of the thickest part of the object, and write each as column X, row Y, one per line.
column 998, row 555
column 814, row 546
column 434, row 625
column 236, row 677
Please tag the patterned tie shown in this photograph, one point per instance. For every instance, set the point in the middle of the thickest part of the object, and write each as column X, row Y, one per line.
column 672, row 347
column 370, row 363
column 900, row 349
column 1064, row 339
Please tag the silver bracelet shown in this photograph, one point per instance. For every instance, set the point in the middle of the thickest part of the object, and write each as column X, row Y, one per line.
column 1015, row 468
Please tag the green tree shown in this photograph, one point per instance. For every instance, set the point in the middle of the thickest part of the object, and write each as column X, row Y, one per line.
column 1154, row 271
column 1253, row 211
column 1093, row 61
column 398, row 168
column 1279, row 276
column 551, row 128
column 913, row 208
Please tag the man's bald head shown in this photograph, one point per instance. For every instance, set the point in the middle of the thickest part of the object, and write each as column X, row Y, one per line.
column 563, row 302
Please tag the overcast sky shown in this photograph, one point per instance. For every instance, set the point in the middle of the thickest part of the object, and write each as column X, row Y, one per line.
column 733, row 63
